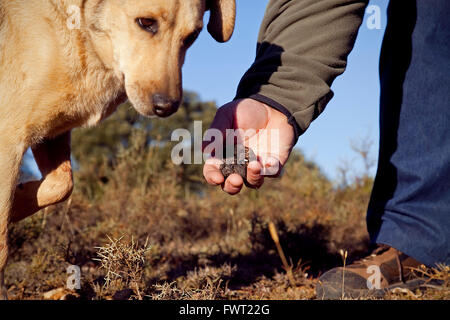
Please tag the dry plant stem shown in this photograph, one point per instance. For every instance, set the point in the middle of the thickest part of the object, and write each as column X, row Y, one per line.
column 344, row 260
column 287, row 266
column 124, row 263
column 136, row 288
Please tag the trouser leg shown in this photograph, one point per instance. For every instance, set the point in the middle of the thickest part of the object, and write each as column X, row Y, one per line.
column 410, row 204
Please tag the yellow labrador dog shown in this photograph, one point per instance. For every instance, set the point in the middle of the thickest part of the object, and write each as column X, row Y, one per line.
column 70, row 63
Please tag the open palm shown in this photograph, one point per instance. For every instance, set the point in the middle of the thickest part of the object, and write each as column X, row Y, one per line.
column 267, row 133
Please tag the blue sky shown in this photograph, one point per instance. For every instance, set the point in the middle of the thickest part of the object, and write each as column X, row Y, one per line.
column 214, row 70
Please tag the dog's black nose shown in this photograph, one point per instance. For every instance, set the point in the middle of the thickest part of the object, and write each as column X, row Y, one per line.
column 164, row 106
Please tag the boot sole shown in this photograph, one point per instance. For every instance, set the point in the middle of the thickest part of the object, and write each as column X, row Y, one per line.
column 333, row 291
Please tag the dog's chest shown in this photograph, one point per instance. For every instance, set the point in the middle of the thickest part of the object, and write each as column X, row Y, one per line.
column 87, row 107
column 103, row 109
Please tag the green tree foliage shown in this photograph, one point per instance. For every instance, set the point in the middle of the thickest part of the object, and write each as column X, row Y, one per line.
column 95, row 150
column 103, row 141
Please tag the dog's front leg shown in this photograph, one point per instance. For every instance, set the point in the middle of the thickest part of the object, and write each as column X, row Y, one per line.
column 53, row 159
column 11, row 152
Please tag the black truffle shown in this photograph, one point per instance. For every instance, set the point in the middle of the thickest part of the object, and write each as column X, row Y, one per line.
column 238, row 163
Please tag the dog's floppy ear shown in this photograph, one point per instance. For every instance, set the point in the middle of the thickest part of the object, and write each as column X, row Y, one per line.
column 222, row 19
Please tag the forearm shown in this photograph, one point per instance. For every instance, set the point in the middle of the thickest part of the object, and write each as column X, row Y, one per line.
column 302, row 47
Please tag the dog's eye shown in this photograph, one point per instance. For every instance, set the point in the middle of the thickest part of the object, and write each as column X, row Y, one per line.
column 148, row 24
column 191, row 39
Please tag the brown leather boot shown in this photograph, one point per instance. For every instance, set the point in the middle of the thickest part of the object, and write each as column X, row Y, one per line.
column 372, row 276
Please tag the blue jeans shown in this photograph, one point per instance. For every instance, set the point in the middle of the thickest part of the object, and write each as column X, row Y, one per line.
column 410, row 204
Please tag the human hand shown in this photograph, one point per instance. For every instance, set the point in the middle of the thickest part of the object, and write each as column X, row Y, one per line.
column 266, row 132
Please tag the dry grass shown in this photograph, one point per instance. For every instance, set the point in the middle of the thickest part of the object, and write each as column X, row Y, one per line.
column 203, row 243
column 123, row 264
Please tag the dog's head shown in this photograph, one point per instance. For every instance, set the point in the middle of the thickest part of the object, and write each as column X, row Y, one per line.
column 145, row 42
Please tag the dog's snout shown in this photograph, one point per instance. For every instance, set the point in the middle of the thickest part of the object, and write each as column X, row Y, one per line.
column 163, row 106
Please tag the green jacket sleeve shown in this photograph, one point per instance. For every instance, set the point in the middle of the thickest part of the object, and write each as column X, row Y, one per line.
column 302, row 47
